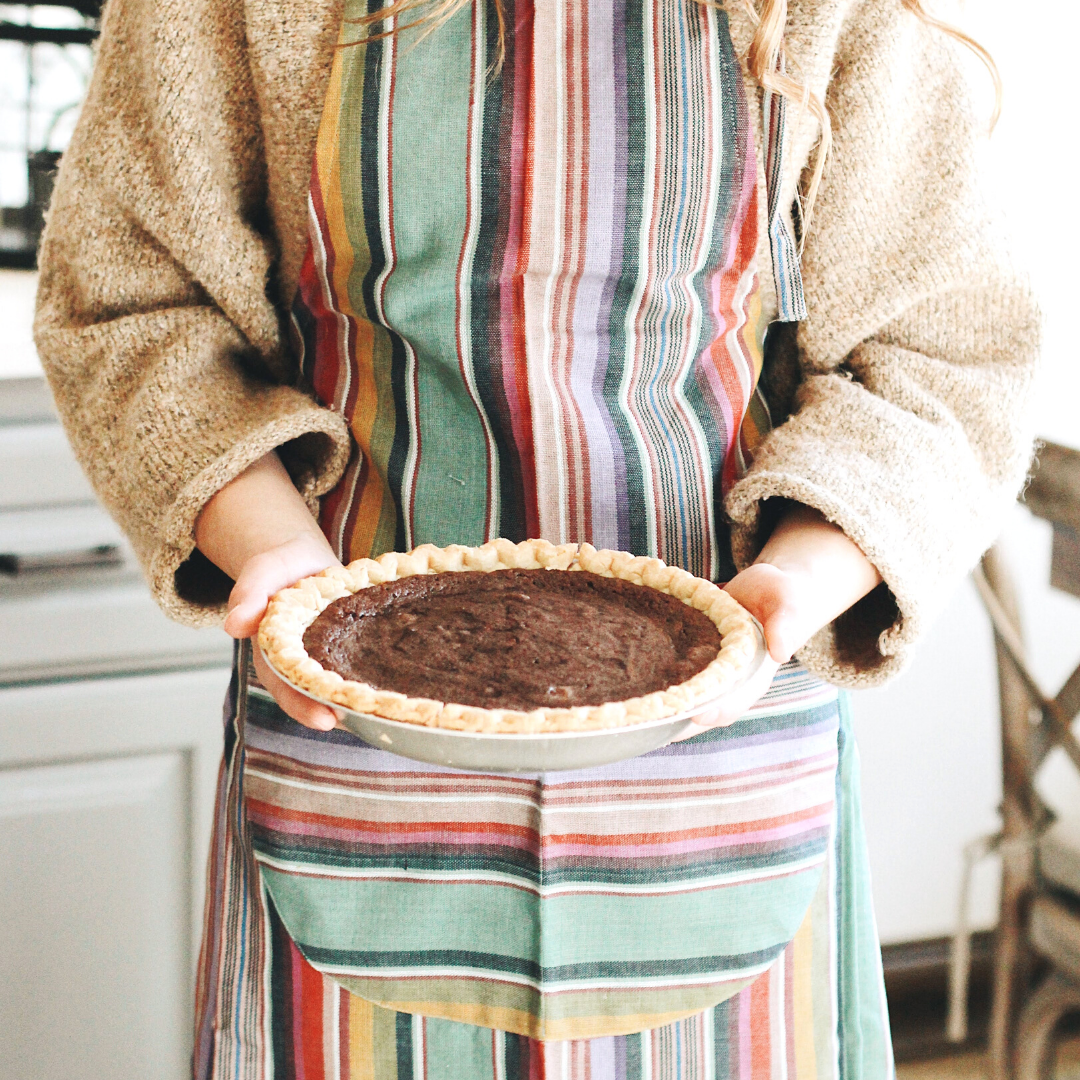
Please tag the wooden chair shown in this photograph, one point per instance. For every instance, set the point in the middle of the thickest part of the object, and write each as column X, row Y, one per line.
column 1040, row 879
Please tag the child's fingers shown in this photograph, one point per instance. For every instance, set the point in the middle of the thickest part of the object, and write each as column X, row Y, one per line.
column 777, row 600
column 302, row 709
column 735, row 705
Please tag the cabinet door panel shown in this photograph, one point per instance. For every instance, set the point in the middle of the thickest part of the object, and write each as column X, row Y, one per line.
column 94, row 919
column 93, row 719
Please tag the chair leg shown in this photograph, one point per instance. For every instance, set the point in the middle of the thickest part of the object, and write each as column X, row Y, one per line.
column 1035, row 1034
column 1011, row 953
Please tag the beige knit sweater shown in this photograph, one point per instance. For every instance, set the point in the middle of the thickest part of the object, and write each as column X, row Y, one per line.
column 178, row 227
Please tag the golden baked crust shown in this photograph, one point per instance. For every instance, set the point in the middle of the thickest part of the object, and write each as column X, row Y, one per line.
column 293, row 610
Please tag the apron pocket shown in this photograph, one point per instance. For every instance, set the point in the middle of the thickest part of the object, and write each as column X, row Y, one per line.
column 570, row 906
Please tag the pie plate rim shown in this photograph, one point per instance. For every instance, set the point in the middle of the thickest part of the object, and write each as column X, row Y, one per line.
column 598, row 739
column 292, row 610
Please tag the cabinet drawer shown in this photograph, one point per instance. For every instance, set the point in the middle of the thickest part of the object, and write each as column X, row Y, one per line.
column 73, row 632
column 37, row 467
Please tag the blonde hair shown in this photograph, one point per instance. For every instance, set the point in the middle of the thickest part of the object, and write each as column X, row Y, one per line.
column 765, row 60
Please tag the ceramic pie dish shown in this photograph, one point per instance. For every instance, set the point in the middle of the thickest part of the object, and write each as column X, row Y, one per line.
column 622, row 646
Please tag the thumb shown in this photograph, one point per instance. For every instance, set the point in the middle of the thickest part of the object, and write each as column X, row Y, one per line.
column 267, row 573
column 769, row 594
column 783, row 635
column 258, row 580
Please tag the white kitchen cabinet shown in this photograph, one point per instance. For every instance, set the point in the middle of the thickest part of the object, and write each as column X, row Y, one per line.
column 106, row 796
column 110, row 739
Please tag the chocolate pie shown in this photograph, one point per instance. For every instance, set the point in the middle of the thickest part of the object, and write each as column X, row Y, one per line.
column 510, row 637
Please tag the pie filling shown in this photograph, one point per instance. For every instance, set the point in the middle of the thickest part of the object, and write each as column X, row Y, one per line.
column 514, row 639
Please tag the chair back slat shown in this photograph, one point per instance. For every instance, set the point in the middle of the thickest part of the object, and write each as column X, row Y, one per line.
column 1054, row 491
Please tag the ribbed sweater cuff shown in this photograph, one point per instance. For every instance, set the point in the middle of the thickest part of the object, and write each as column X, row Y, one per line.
column 868, row 644
column 314, row 444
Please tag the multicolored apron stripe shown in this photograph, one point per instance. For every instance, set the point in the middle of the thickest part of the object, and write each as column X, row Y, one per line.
column 264, row 1013
column 541, row 313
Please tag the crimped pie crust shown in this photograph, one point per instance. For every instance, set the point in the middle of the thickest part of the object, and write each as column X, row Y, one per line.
column 293, row 610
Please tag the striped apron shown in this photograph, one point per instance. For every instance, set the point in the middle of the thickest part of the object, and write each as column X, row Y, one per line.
column 531, row 290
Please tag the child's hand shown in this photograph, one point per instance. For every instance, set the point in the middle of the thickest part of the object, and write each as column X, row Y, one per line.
column 262, row 576
column 806, row 575
column 258, row 530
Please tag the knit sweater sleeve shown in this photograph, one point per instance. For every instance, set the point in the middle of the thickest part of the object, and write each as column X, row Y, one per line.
column 909, row 424
column 162, row 347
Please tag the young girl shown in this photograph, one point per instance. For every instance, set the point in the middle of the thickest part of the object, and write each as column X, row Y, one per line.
column 321, row 282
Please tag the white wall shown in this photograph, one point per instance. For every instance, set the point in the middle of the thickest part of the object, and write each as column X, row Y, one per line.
column 18, row 360
column 929, row 741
